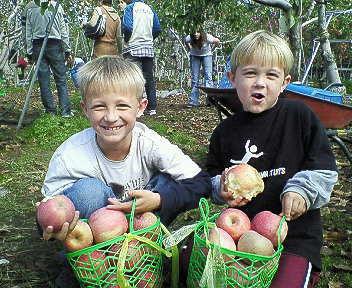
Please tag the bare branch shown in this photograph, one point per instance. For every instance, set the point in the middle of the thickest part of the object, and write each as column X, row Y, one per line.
column 282, row 4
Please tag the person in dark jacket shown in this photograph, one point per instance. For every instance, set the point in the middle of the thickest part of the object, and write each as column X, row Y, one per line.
column 284, row 140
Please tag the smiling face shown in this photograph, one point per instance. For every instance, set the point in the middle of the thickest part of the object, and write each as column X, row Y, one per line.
column 112, row 114
column 258, row 87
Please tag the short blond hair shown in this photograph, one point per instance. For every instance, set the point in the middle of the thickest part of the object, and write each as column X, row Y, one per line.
column 110, row 71
column 265, row 48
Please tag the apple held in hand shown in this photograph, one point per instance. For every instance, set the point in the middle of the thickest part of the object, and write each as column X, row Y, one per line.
column 55, row 211
column 243, row 180
column 80, row 237
column 107, row 224
column 233, row 221
column 267, row 224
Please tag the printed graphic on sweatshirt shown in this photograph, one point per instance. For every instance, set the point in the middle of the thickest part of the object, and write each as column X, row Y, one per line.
column 251, row 152
column 121, row 192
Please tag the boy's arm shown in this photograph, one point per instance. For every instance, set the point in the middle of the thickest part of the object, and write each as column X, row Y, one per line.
column 183, row 195
column 314, row 186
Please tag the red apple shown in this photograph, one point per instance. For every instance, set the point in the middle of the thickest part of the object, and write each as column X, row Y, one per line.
column 55, row 211
column 149, row 281
column 243, row 180
column 80, row 237
column 220, row 237
column 134, row 254
column 146, row 220
column 233, row 221
column 237, row 272
column 107, row 224
column 267, row 224
column 92, row 265
column 113, row 253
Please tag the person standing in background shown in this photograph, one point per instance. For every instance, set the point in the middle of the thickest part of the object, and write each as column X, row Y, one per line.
column 199, row 44
column 110, row 42
column 56, row 53
column 140, row 26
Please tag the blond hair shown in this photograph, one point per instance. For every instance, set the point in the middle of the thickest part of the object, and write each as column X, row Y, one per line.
column 265, row 48
column 110, row 71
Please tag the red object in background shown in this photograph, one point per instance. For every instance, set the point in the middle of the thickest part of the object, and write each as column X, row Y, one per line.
column 22, row 63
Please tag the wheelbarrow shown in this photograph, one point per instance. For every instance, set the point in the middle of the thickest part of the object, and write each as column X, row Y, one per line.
column 334, row 116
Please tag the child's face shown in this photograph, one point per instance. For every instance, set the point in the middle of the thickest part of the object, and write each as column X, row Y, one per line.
column 112, row 114
column 258, row 87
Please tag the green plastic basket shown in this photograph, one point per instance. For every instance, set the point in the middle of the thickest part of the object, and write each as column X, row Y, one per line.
column 215, row 267
column 134, row 259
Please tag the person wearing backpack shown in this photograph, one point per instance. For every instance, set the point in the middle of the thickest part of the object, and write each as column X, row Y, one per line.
column 109, row 43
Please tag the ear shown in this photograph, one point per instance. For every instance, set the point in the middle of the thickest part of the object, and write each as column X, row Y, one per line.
column 84, row 108
column 287, row 81
column 141, row 107
column 231, row 77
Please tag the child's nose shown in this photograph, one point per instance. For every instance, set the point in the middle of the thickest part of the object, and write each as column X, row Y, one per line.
column 111, row 115
column 259, row 81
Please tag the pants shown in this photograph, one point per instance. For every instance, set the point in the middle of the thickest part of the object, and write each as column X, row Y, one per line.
column 196, row 63
column 147, row 66
column 54, row 60
column 90, row 194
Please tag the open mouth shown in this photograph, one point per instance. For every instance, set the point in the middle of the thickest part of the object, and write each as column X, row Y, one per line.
column 114, row 128
column 258, row 96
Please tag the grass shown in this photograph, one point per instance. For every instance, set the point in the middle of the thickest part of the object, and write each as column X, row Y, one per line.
column 24, row 159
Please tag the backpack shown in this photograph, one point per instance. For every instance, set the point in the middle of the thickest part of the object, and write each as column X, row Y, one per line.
column 98, row 30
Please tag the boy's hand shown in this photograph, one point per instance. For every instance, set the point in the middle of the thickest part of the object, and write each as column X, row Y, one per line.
column 65, row 229
column 145, row 201
column 228, row 196
column 293, row 205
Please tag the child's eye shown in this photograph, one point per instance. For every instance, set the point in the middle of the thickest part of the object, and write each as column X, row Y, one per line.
column 99, row 108
column 273, row 75
column 249, row 73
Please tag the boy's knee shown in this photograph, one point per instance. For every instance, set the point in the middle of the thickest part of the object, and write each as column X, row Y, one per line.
column 88, row 195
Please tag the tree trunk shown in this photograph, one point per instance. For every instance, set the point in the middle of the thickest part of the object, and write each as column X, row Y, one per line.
column 332, row 74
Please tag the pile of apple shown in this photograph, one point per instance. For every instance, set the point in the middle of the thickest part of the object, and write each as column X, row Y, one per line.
column 234, row 231
column 103, row 225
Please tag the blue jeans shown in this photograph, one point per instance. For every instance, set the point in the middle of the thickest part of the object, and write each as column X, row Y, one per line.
column 196, row 62
column 147, row 66
column 90, row 194
column 54, row 60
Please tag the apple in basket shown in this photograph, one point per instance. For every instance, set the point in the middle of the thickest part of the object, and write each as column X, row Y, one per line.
column 145, row 220
column 134, row 254
column 107, row 224
column 243, row 180
column 113, row 253
column 254, row 243
column 267, row 224
column 55, row 211
column 149, row 280
column 80, row 237
column 220, row 237
column 91, row 265
column 233, row 221
column 238, row 273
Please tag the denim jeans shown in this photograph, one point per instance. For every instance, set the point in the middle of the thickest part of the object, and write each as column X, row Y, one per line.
column 147, row 66
column 54, row 60
column 90, row 194
column 196, row 62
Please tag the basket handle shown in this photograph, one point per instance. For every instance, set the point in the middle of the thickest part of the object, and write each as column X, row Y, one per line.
column 282, row 221
column 132, row 214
